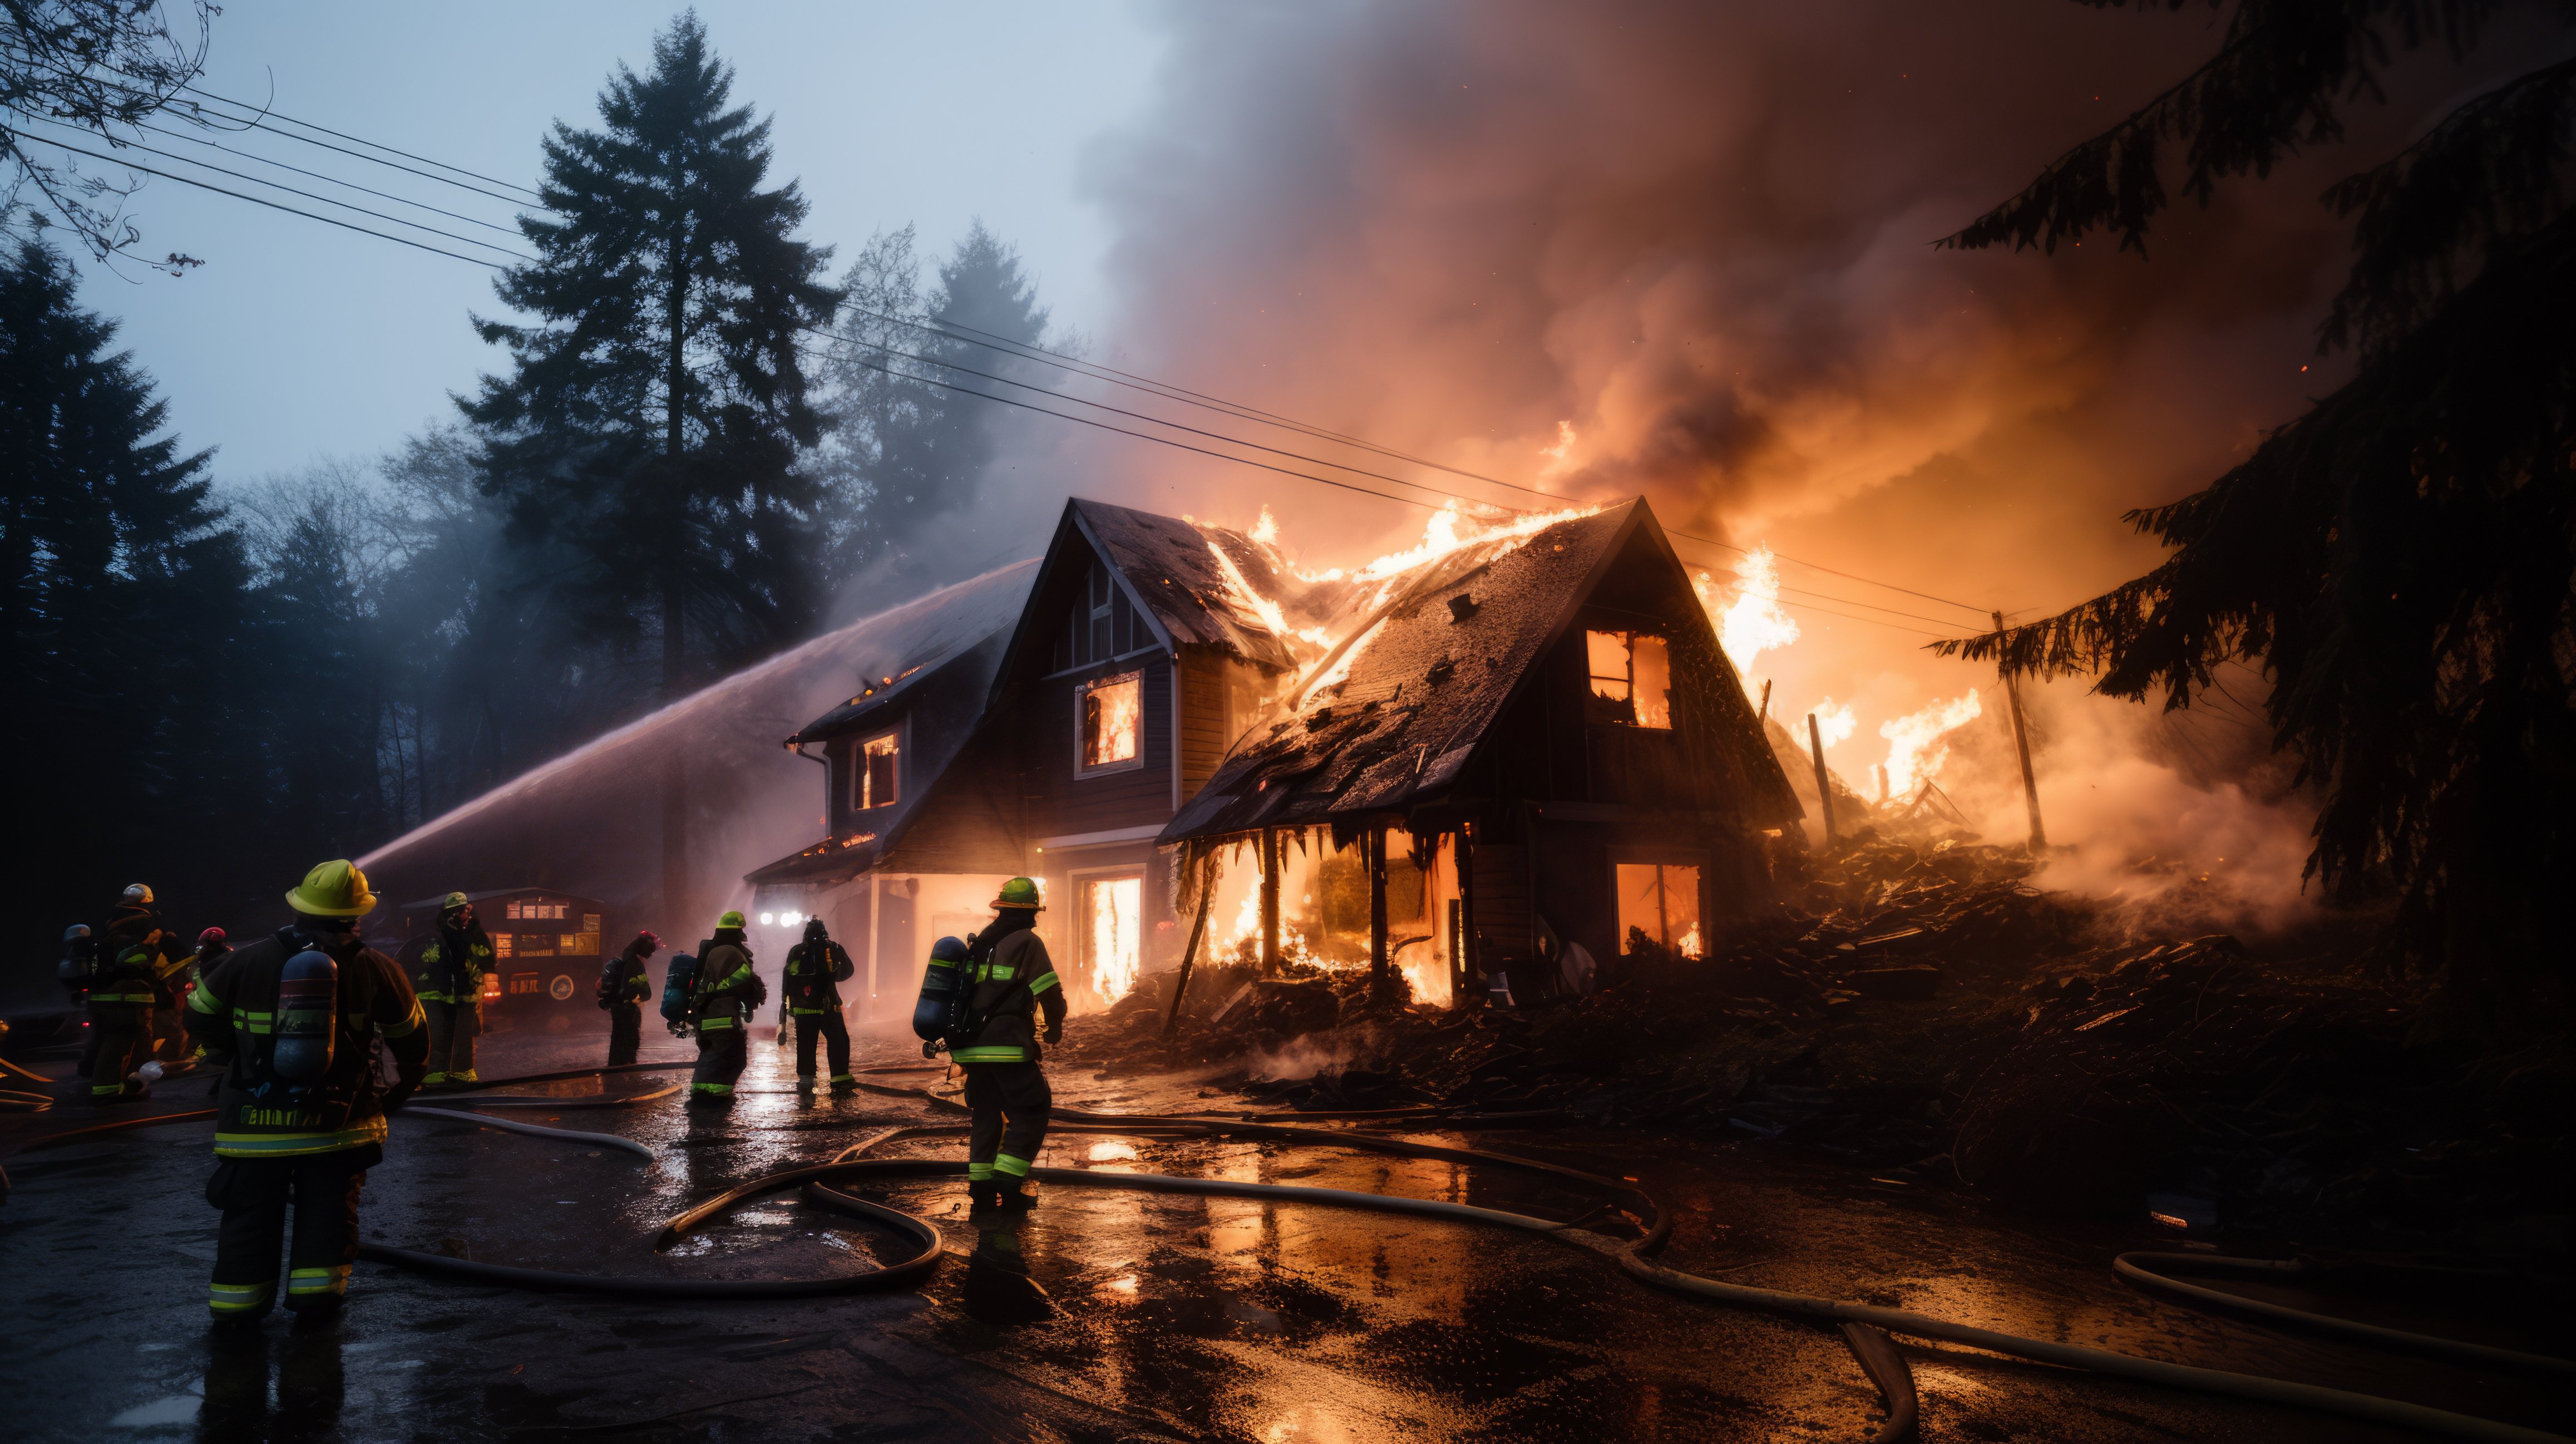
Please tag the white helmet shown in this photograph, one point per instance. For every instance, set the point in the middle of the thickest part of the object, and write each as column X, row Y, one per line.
column 138, row 896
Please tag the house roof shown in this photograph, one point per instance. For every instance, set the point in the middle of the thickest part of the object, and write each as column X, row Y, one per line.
column 1393, row 716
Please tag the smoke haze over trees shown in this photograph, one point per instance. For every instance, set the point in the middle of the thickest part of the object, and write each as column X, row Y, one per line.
column 236, row 683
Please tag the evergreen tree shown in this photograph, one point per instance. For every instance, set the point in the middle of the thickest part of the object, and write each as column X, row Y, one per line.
column 917, row 450
column 2401, row 559
column 658, row 400
column 125, row 621
column 327, row 701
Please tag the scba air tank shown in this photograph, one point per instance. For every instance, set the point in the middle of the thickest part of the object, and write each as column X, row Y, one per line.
column 308, row 997
column 942, row 984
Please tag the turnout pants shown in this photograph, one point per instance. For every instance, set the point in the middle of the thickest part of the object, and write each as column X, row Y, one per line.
column 254, row 1194
column 1010, row 1101
column 625, row 1032
column 452, row 1029
column 722, row 1052
column 836, row 1037
column 122, row 1033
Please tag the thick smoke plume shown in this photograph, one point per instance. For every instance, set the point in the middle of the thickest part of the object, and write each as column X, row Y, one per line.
column 1687, row 250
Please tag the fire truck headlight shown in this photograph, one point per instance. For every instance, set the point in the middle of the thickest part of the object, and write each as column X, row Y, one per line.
column 767, row 918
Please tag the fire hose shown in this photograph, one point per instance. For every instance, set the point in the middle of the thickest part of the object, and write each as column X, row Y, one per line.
column 1865, row 1327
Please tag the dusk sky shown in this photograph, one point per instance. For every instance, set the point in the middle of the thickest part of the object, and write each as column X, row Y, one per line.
column 297, row 341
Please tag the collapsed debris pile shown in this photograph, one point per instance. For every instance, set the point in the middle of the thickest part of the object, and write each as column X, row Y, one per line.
column 1922, row 1010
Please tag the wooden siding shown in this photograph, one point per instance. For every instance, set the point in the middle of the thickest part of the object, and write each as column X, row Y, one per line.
column 1221, row 695
column 1061, row 801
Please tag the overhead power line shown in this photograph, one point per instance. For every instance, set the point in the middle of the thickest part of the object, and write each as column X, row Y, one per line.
column 258, row 118
column 1078, row 366
column 258, row 200
column 299, row 191
column 322, row 176
column 266, row 113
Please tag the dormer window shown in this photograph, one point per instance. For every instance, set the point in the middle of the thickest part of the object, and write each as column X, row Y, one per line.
column 1632, row 679
column 876, row 777
column 1109, row 723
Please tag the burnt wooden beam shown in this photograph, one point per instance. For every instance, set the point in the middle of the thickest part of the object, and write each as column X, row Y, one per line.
column 1380, row 965
column 1270, row 902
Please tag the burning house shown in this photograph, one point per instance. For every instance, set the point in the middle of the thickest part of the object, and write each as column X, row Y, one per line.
column 1520, row 750
column 1059, row 748
column 1545, row 718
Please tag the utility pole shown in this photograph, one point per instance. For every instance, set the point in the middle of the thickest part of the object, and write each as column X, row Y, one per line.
column 1470, row 963
column 2021, row 742
column 1824, row 786
column 1763, row 714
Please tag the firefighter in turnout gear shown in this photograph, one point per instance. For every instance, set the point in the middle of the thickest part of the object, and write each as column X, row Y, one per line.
column 300, row 1120
column 814, row 1003
column 134, row 955
column 447, row 969
column 721, row 1002
column 1010, row 979
column 623, row 987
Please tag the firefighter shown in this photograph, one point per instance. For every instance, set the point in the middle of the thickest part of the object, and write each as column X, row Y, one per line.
column 1010, row 979
column 211, row 949
column 721, row 1000
column 79, row 962
column 813, row 967
column 125, row 986
column 288, row 1133
column 623, row 987
column 173, row 978
column 447, row 969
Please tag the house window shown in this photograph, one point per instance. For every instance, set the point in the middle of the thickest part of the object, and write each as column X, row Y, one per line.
column 1632, row 678
column 872, row 781
column 1109, row 718
column 1660, row 900
column 1113, row 933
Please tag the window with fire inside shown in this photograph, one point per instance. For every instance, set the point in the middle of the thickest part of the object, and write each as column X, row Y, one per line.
column 1632, row 680
column 1659, row 909
column 1109, row 718
column 873, row 772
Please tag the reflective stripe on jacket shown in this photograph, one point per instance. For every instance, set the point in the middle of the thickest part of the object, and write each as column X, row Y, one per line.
column 235, row 1006
column 1010, row 1036
column 721, row 992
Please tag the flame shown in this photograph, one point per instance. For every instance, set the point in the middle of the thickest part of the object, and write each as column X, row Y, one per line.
column 1752, row 623
column 1266, row 530
column 1121, row 709
column 1115, row 905
column 1834, row 722
column 1915, row 750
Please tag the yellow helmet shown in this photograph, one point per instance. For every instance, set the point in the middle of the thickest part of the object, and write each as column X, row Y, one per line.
column 333, row 889
column 729, row 920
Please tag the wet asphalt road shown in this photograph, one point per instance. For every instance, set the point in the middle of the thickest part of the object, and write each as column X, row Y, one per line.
column 1099, row 1316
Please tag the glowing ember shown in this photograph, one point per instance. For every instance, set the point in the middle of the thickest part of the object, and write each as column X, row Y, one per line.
column 1752, row 623
column 1915, row 750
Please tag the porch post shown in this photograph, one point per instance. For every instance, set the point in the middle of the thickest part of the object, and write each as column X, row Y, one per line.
column 1470, row 958
column 1269, row 902
column 1380, row 979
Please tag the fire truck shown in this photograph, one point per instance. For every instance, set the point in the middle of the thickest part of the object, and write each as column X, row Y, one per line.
column 545, row 956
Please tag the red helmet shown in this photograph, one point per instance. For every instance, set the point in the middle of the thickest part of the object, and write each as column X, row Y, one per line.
column 210, row 935
column 652, row 943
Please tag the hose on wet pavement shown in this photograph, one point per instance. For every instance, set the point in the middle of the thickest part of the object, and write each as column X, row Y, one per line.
column 1865, row 1327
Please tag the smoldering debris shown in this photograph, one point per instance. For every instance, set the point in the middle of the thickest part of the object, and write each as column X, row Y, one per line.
column 1922, row 1010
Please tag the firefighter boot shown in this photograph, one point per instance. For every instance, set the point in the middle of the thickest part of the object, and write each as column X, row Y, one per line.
column 1011, row 1193
column 804, row 1085
column 843, row 1083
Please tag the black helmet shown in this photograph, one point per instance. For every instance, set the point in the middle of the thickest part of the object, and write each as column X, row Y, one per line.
column 75, row 933
column 814, row 932
column 948, row 950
